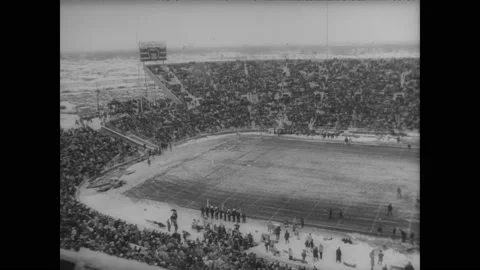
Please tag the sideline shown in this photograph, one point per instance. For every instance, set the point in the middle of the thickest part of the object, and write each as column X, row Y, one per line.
column 247, row 132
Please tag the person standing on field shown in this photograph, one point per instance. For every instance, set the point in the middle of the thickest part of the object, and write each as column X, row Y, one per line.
column 404, row 235
column 315, row 254
column 277, row 232
column 338, row 254
column 234, row 214
column 390, row 208
column 380, row 257
column 287, row 236
column 372, row 259
column 320, row 250
column 304, row 254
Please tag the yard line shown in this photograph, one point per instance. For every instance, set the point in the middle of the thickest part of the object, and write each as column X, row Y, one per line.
column 316, row 204
column 183, row 162
column 223, row 180
column 375, row 220
column 261, row 197
column 244, row 168
column 345, row 210
column 289, row 199
column 196, row 183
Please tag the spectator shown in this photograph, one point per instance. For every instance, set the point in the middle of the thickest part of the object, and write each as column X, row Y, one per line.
column 338, row 255
column 409, row 266
column 320, row 250
column 287, row 235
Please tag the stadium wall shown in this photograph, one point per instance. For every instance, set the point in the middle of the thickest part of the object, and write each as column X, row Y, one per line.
column 225, row 131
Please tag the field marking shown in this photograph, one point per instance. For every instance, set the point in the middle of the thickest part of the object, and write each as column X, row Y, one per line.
column 224, row 178
column 350, row 149
column 345, row 211
column 262, row 197
column 376, row 217
column 315, row 206
column 281, row 207
column 195, row 183
column 266, row 198
column 218, row 185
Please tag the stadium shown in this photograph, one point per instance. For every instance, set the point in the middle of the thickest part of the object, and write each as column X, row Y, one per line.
column 199, row 162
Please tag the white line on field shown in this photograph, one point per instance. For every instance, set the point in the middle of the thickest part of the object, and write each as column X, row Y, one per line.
column 281, row 207
column 261, row 197
column 375, row 220
column 223, row 179
column 345, row 210
column 244, row 168
column 312, row 209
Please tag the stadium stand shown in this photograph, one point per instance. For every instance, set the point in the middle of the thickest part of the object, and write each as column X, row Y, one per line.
column 298, row 95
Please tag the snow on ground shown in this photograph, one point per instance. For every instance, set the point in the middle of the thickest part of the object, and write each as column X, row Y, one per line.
column 367, row 139
column 78, row 75
column 67, row 121
column 115, row 204
column 69, row 107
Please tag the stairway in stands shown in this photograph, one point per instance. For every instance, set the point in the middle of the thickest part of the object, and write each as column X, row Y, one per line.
column 162, row 86
column 183, row 89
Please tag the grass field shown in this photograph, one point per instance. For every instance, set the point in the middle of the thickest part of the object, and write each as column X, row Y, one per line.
column 276, row 178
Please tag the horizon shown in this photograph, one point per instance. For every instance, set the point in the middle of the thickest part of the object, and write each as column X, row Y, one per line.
column 94, row 26
column 291, row 46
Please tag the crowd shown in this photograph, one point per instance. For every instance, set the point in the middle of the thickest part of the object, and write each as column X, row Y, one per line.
column 296, row 95
column 83, row 154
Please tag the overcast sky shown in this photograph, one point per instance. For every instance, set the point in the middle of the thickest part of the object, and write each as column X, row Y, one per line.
column 113, row 25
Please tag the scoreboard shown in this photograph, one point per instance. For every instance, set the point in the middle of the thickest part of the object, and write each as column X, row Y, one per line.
column 153, row 51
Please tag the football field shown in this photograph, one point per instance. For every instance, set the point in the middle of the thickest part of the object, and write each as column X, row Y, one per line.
column 278, row 179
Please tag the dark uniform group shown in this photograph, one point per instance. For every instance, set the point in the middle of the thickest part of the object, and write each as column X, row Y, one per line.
column 217, row 213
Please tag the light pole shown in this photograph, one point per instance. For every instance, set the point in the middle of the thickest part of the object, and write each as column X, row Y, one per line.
column 98, row 100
